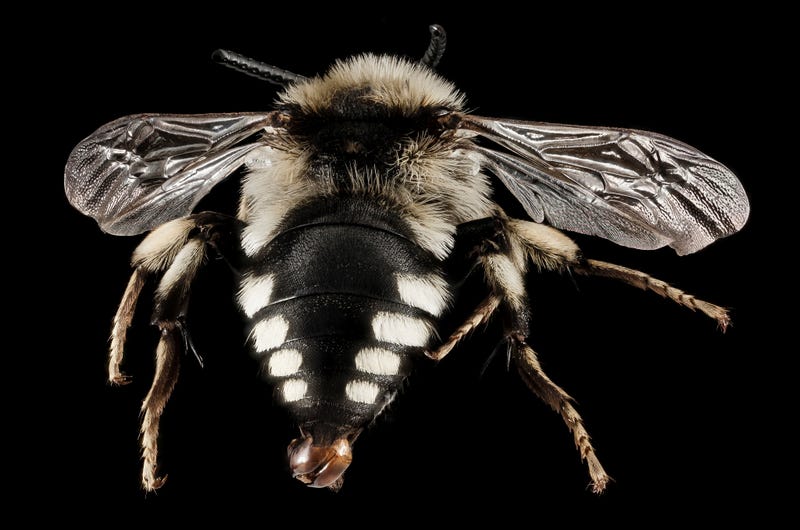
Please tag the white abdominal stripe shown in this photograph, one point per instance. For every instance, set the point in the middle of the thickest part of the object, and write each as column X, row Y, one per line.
column 269, row 333
column 255, row 293
column 426, row 292
column 429, row 292
column 402, row 330
column 284, row 362
column 338, row 349
column 361, row 391
column 340, row 369
column 378, row 361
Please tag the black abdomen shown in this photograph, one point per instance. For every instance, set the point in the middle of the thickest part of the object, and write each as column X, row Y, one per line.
column 341, row 303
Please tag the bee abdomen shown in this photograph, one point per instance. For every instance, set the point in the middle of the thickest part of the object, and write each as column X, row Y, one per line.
column 341, row 303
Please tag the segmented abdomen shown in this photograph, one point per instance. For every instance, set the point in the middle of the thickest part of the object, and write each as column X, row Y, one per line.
column 341, row 303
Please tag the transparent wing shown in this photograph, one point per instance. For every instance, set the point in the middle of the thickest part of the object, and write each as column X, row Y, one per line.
column 635, row 188
column 138, row 172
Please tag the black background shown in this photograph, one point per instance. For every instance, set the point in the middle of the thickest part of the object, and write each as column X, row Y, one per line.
column 681, row 414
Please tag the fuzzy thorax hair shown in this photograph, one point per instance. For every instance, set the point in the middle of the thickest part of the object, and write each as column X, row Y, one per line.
column 394, row 82
column 430, row 177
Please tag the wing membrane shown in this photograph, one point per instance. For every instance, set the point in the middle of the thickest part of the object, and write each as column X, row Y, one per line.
column 636, row 188
column 140, row 171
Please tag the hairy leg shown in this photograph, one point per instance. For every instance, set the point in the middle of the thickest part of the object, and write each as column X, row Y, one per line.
column 175, row 251
column 502, row 249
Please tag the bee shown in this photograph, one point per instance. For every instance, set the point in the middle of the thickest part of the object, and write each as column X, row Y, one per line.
column 366, row 200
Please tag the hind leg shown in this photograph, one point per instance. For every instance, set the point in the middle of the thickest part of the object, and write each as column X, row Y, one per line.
column 175, row 251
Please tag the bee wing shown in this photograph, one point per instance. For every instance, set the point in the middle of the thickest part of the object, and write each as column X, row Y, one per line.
column 141, row 171
column 636, row 188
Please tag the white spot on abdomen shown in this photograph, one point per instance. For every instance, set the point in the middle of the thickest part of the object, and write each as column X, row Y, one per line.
column 283, row 363
column 362, row 391
column 269, row 334
column 255, row 293
column 378, row 361
column 429, row 293
column 400, row 329
column 294, row 389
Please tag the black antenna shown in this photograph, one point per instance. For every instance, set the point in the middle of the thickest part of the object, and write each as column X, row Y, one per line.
column 263, row 71
column 436, row 47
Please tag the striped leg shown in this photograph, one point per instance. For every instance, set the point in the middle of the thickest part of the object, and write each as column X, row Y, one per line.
column 503, row 247
column 503, row 257
column 644, row 281
column 177, row 249
column 507, row 280
column 481, row 315
column 561, row 402
column 549, row 249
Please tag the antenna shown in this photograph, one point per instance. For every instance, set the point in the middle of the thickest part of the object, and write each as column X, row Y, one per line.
column 263, row 71
column 436, row 47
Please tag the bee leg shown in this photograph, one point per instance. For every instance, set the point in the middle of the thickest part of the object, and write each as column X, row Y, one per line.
column 122, row 321
column 153, row 256
column 548, row 249
column 171, row 298
column 481, row 315
column 177, row 249
column 502, row 247
column 644, row 281
column 531, row 372
column 473, row 239
column 503, row 255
